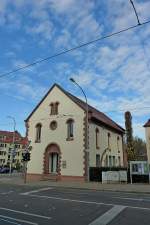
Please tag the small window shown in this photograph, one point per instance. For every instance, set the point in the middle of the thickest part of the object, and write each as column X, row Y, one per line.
column 54, row 108
column 38, row 132
column 97, row 138
column 70, row 129
column 97, row 160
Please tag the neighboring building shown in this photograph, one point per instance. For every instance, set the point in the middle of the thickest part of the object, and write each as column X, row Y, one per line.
column 57, row 131
column 6, row 147
column 147, row 133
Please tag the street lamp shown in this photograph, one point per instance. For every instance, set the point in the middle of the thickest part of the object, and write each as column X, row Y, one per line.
column 87, row 144
column 10, row 163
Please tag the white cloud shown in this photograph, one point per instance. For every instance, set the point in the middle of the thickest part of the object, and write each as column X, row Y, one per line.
column 44, row 29
column 84, row 78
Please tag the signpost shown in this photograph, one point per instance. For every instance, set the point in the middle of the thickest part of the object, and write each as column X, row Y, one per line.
column 26, row 158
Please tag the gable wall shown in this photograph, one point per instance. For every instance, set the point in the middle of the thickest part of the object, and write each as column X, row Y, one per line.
column 147, row 132
column 72, row 151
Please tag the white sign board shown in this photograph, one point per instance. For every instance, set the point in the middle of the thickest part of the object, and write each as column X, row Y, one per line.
column 114, row 176
column 104, row 177
column 123, row 175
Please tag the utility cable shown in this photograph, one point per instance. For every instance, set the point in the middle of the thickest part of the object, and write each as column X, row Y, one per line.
column 135, row 11
column 72, row 49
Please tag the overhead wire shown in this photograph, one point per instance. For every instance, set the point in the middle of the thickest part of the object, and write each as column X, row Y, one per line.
column 135, row 11
column 72, row 49
column 80, row 46
column 140, row 40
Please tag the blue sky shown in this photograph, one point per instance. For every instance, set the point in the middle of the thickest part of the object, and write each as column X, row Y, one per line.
column 114, row 73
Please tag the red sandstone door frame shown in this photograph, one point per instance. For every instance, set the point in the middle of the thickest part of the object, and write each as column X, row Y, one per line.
column 52, row 155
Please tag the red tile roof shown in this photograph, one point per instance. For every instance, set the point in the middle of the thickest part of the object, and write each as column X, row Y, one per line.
column 147, row 124
column 8, row 137
column 99, row 116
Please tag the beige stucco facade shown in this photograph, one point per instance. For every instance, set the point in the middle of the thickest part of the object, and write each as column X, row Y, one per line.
column 72, row 161
column 72, row 152
column 116, row 146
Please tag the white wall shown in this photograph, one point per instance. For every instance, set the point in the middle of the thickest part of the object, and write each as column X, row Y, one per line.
column 72, row 151
column 147, row 133
column 103, row 144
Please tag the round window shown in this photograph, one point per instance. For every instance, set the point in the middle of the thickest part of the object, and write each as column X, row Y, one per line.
column 53, row 125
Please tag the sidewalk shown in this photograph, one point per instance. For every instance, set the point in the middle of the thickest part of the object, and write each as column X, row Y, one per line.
column 134, row 188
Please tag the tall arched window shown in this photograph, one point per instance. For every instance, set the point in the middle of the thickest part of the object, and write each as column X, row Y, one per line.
column 70, row 129
column 97, row 138
column 118, row 144
column 38, row 132
column 109, row 140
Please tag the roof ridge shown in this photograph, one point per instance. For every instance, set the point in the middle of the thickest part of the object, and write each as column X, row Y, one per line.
column 93, row 108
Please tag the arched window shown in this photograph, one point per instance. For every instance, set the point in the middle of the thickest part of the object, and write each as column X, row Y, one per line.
column 38, row 132
column 54, row 108
column 119, row 161
column 108, row 139
column 70, row 129
column 118, row 144
column 97, row 138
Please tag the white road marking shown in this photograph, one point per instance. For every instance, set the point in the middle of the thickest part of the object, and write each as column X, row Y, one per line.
column 25, row 213
column 70, row 200
column 108, row 216
column 6, row 193
column 87, row 202
column 9, row 221
column 17, row 220
column 134, row 199
column 36, row 191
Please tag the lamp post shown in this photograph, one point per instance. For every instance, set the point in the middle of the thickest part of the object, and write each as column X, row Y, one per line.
column 10, row 163
column 86, row 140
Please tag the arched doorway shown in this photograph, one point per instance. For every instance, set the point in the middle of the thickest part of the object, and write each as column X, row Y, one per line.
column 52, row 158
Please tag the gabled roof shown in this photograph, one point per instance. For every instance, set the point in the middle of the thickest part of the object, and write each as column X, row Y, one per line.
column 95, row 114
column 147, row 124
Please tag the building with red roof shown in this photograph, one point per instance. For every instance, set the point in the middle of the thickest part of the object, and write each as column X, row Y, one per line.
column 6, row 147
column 57, row 130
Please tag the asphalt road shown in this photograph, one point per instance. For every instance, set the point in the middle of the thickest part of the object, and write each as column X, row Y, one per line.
column 65, row 206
